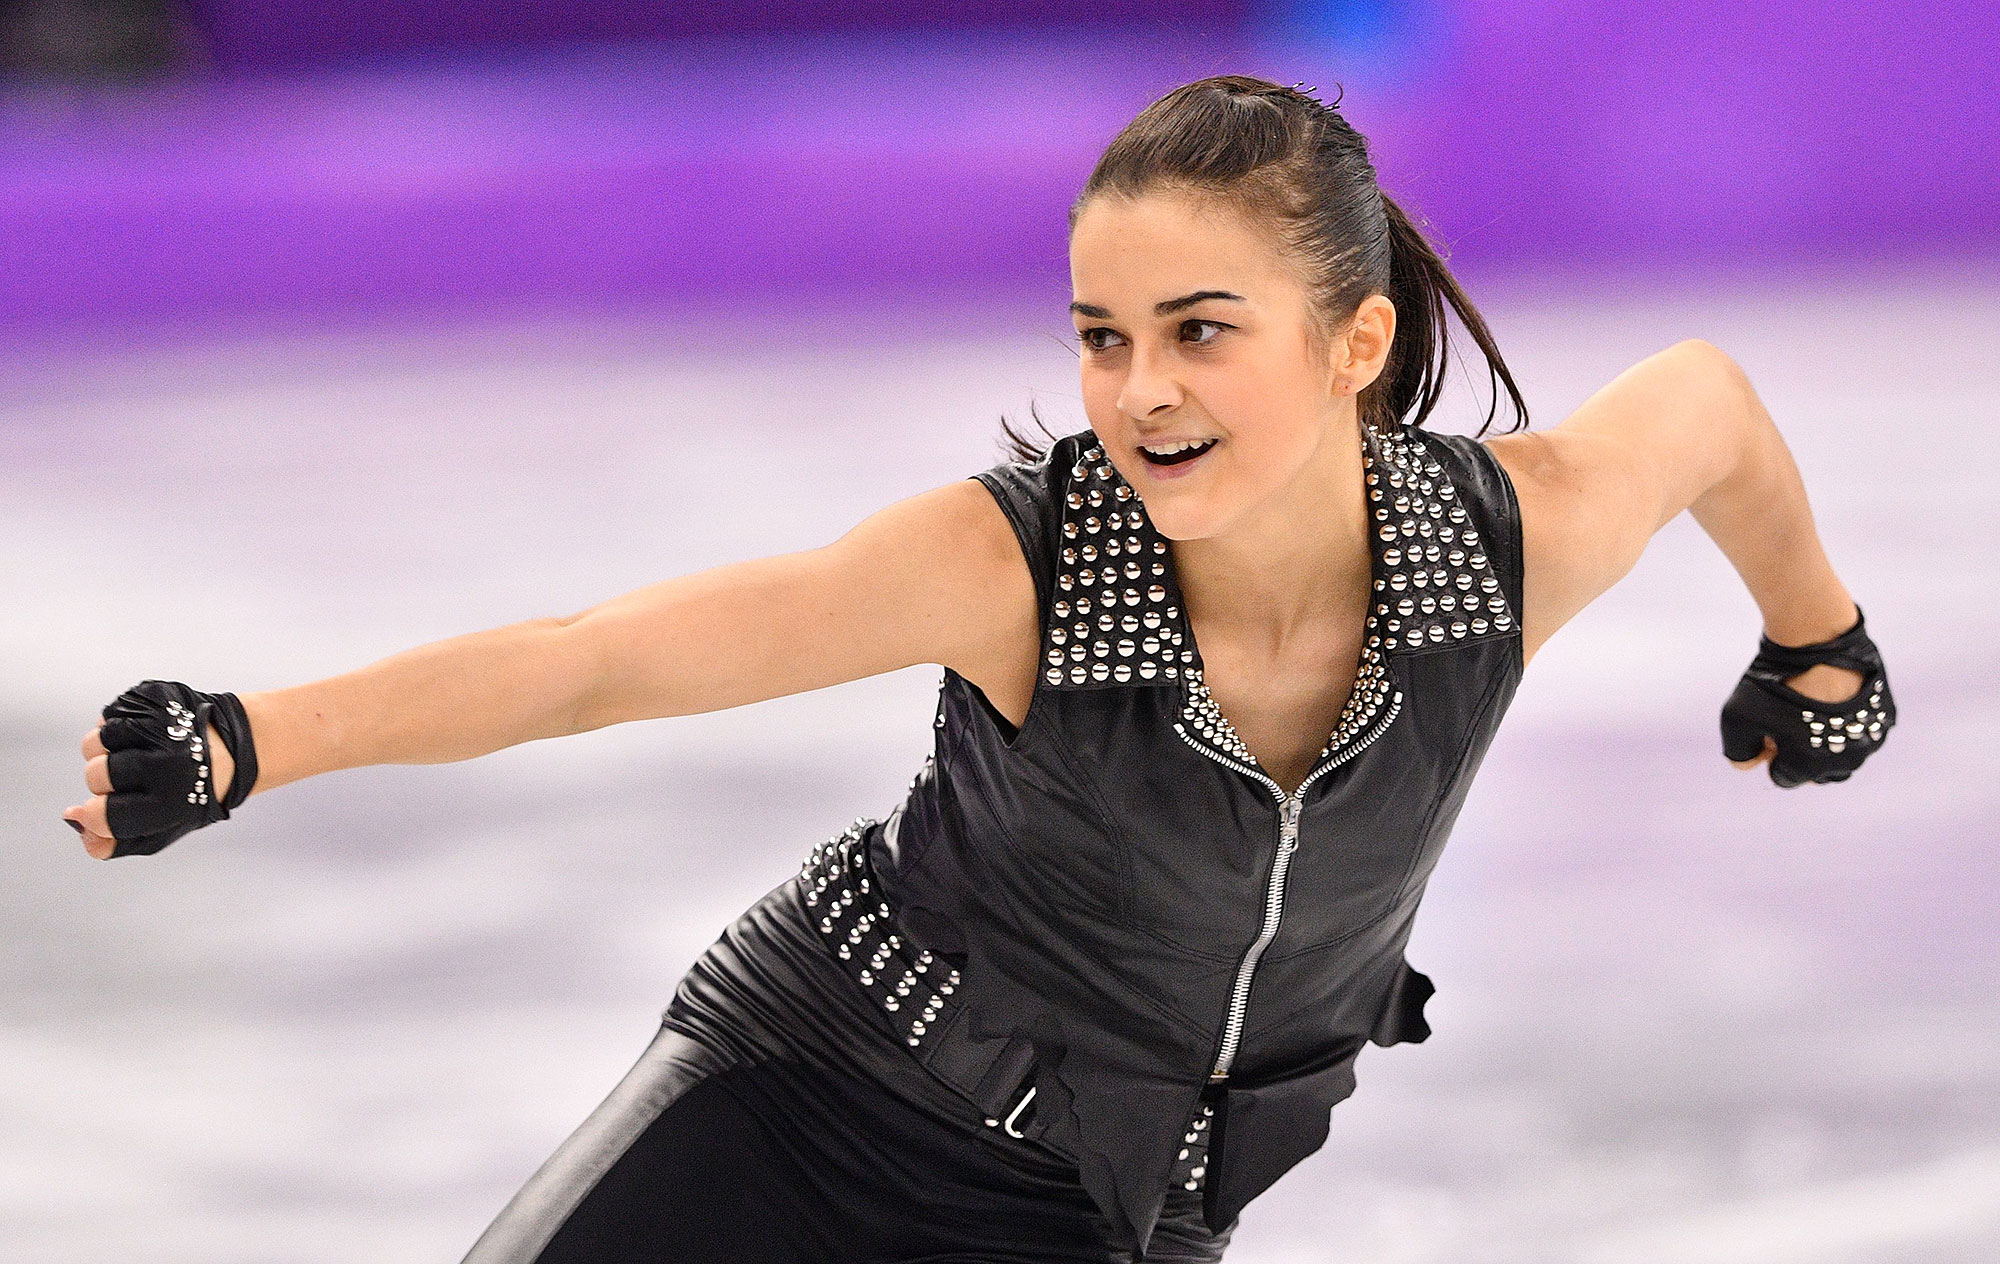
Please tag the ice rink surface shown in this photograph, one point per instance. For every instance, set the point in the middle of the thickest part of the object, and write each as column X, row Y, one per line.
column 1682, row 1015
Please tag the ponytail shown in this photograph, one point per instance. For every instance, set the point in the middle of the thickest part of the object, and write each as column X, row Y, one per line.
column 1015, row 446
column 1413, row 378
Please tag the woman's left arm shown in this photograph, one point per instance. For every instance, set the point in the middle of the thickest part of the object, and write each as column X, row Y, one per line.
column 1681, row 430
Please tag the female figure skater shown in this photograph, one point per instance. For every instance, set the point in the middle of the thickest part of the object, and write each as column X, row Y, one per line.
column 1218, row 671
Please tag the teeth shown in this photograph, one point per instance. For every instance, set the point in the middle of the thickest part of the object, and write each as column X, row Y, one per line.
column 1169, row 449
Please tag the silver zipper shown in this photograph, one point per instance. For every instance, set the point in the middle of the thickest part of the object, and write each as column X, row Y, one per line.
column 1274, row 895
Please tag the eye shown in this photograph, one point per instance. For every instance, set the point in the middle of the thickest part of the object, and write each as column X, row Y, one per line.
column 1088, row 336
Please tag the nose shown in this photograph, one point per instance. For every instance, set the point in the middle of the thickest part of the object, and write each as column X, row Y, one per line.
column 1148, row 389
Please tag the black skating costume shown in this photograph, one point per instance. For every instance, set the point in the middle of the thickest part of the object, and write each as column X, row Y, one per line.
column 1094, row 984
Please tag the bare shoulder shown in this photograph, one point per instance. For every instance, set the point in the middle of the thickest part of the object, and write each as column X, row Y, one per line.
column 1628, row 459
column 1576, row 490
column 949, row 567
column 1594, row 489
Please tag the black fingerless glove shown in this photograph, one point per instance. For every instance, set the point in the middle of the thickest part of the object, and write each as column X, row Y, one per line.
column 1816, row 741
column 156, row 736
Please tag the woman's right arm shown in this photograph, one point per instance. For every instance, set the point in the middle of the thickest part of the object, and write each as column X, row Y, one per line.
column 936, row 578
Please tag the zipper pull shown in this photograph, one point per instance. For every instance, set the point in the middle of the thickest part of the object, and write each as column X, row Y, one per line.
column 1288, row 828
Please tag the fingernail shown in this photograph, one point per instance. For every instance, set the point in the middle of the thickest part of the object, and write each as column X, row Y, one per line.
column 75, row 825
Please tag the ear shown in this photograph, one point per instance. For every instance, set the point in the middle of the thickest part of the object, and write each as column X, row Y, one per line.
column 1360, row 354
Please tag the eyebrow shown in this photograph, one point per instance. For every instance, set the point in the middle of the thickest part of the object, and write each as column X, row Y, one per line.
column 1162, row 308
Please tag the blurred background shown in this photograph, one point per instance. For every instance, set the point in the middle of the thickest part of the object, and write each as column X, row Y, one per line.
column 329, row 330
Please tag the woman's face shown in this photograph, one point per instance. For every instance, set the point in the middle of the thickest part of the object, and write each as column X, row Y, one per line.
column 1193, row 328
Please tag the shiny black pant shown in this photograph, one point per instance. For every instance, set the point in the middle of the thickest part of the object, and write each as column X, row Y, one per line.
column 773, row 1121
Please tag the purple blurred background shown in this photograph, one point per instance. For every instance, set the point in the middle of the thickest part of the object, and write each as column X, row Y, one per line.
column 306, row 159
column 328, row 330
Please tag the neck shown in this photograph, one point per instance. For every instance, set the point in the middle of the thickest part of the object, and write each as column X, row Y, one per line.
column 1295, row 563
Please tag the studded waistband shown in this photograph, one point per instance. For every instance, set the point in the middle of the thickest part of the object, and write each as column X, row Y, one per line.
column 851, row 913
column 913, row 986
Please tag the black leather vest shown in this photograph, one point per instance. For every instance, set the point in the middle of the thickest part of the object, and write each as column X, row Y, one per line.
column 1140, row 926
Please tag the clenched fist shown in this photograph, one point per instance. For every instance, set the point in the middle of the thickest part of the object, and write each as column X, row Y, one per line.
column 1813, row 712
column 165, row 760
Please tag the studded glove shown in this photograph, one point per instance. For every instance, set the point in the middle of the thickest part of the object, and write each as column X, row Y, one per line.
column 1816, row 741
column 155, row 736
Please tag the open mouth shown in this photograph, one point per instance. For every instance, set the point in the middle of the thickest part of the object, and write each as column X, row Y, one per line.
column 1175, row 454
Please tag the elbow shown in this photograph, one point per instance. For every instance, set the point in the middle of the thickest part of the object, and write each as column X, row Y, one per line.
column 1735, row 429
column 1725, row 405
column 1712, row 366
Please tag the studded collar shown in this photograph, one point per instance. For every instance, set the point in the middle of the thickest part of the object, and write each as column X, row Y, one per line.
column 1116, row 615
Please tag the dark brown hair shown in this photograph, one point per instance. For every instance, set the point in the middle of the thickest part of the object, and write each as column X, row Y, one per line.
column 1287, row 160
